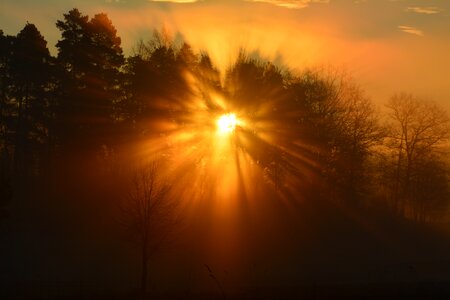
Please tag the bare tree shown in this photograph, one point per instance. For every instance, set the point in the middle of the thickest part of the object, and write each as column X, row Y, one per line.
column 430, row 189
column 417, row 129
column 351, row 129
column 360, row 132
column 149, row 212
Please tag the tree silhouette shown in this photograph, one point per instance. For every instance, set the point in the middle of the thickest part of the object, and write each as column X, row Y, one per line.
column 250, row 83
column 90, row 54
column 333, row 115
column 359, row 133
column 6, row 107
column 149, row 213
column 6, row 192
column 417, row 129
column 186, row 58
column 31, row 74
column 430, row 189
column 155, row 81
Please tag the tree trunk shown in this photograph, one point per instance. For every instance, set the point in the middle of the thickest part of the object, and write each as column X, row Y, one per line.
column 397, row 180
column 17, row 145
column 144, row 275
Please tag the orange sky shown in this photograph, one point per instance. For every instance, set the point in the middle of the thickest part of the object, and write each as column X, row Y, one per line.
column 388, row 45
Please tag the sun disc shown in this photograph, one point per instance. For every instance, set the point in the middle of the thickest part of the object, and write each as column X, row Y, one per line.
column 226, row 123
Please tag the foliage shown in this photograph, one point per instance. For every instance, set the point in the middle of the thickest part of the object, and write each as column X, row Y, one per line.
column 326, row 133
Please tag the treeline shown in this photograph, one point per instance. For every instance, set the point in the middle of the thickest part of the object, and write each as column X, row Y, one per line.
column 327, row 134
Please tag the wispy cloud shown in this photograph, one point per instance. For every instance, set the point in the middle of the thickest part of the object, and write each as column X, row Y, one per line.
column 175, row 1
column 291, row 3
column 411, row 30
column 428, row 10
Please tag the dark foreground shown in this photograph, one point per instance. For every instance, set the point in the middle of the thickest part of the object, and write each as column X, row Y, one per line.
column 418, row 290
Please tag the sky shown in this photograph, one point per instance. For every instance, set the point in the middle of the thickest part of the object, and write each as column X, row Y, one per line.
column 388, row 46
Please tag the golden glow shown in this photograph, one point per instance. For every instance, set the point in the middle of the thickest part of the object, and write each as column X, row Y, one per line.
column 228, row 161
column 227, row 123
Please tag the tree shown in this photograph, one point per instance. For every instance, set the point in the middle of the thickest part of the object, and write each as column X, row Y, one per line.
column 359, row 133
column 186, row 58
column 6, row 192
column 251, row 83
column 335, row 117
column 149, row 212
column 73, row 59
column 30, row 71
column 417, row 129
column 6, row 107
column 430, row 189
column 107, row 60
column 91, row 57
column 156, row 81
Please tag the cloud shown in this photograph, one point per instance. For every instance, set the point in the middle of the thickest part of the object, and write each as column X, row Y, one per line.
column 411, row 30
column 175, row 1
column 429, row 10
column 290, row 3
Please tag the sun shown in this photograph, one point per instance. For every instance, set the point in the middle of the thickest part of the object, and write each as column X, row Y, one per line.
column 227, row 123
